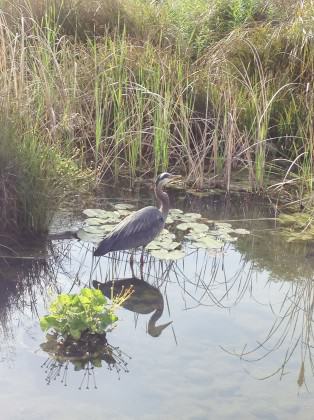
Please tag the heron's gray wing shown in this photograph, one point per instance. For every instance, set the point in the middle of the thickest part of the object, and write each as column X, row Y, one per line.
column 137, row 229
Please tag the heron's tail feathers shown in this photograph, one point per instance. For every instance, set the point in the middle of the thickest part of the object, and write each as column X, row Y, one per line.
column 103, row 248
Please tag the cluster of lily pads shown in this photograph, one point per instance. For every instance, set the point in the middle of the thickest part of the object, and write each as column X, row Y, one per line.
column 101, row 222
column 193, row 228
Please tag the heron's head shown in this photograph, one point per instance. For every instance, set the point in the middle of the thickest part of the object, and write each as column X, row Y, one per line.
column 166, row 178
column 156, row 330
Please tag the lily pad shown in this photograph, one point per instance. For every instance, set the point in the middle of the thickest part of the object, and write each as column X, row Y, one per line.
column 175, row 211
column 194, row 236
column 217, row 233
column 98, row 230
column 241, row 231
column 153, row 245
column 196, row 227
column 172, row 245
column 227, row 238
column 165, row 235
column 124, row 213
column 168, row 255
column 166, row 238
column 208, row 242
column 95, row 213
column 190, row 217
column 223, row 225
column 111, row 215
column 102, row 214
column 88, row 237
column 94, row 221
column 169, row 246
column 124, row 206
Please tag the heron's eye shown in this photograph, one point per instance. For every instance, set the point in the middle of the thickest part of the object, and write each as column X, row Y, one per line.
column 162, row 176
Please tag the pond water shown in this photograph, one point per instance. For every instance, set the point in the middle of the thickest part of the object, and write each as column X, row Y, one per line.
column 240, row 341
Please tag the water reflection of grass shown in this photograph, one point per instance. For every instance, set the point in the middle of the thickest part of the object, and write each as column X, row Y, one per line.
column 290, row 334
column 292, row 329
column 25, row 277
column 269, row 251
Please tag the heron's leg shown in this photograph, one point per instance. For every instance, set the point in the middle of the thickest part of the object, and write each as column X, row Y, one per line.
column 142, row 257
column 132, row 270
column 132, row 258
column 142, row 272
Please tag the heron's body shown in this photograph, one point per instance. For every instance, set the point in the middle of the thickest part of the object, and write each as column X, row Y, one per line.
column 137, row 229
column 141, row 227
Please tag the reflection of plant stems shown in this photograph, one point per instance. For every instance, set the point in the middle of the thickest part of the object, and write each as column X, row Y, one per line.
column 293, row 327
column 24, row 277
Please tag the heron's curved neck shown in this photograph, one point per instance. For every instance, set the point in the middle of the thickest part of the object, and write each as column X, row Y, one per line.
column 153, row 319
column 153, row 329
column 163, row 201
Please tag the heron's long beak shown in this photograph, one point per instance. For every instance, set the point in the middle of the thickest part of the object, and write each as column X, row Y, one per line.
column 175, row 179
column 156, row 330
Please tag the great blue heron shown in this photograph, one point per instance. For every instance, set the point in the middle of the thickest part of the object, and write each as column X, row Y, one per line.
column 144, row 300
column 141, row 227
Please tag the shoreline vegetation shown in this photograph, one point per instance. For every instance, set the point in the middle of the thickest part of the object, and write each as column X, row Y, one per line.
column 112, row 88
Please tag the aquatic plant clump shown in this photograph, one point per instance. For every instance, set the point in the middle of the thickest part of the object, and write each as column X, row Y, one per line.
column 35, row 177
column 296, row 226
column 77, row 333
column 73, row 315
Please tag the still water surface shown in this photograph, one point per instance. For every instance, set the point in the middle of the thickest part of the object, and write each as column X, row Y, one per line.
column 240, row 343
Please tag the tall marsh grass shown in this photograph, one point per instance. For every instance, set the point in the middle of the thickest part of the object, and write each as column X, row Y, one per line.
column 34, row 179
column 136, row 86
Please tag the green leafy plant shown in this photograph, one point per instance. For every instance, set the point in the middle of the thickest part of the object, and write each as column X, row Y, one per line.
column 73, row 315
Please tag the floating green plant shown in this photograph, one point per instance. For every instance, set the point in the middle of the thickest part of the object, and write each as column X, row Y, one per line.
column 124, row 206
column 195, row 227
column 241, row 231
column 175, row 211
column 297, row 226
column 77, row 327
column 164, row 254
column 93, row 238
column 296, row 220
column 164, row 242
column 73, row 315
column 208, row 242
column 101, row 214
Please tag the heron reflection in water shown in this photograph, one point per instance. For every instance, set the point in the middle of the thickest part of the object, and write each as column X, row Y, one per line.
column 144, row 300
column 141, row 227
